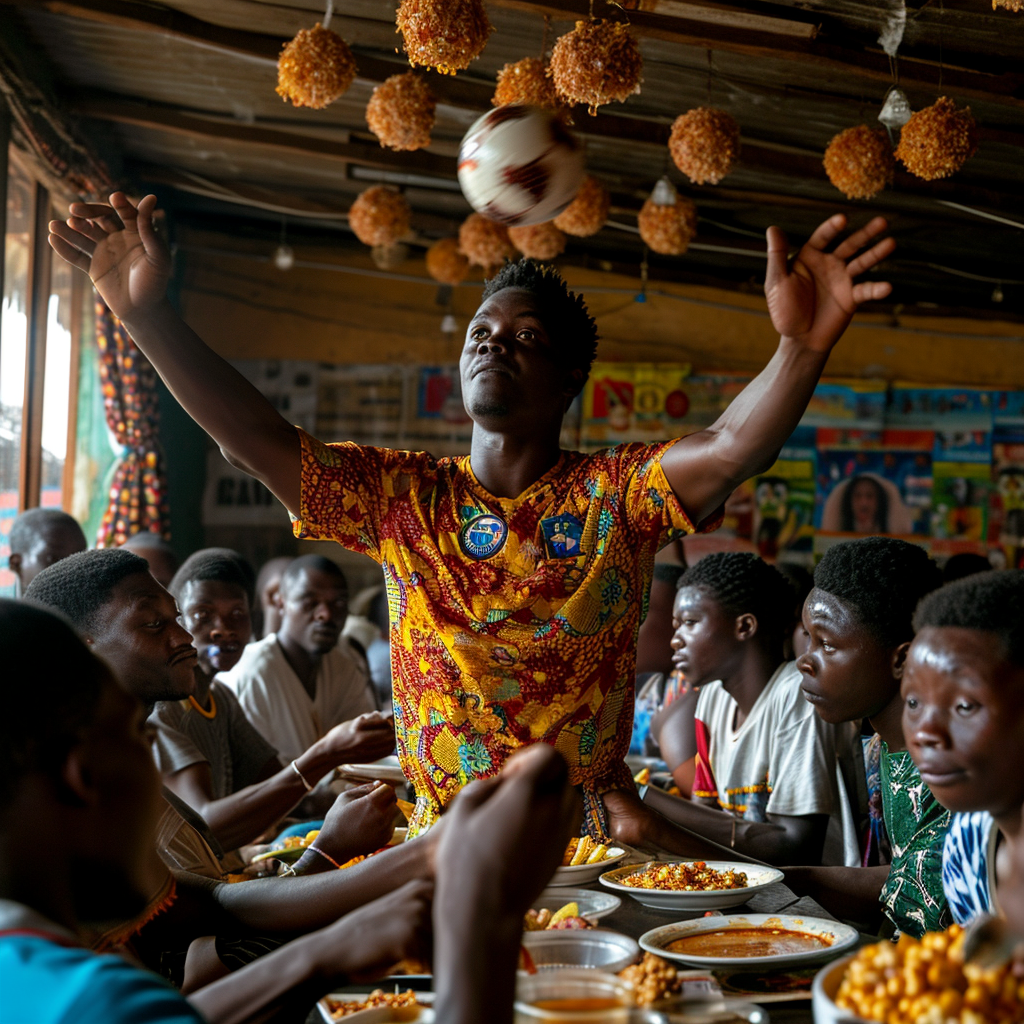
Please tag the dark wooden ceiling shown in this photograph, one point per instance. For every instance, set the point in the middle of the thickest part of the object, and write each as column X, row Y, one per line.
column 178, row 96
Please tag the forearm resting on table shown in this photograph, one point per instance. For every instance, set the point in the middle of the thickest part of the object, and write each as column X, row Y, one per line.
column 248, row 429
column 851, row 894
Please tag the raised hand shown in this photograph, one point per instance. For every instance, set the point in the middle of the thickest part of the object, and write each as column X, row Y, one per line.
column 814, row 298
column 118, row 247
column 361, row 739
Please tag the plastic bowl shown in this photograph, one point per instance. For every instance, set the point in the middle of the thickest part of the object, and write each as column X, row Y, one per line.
column 593, row 905
column 823, row 995
column 593, row 948
column 571, row 983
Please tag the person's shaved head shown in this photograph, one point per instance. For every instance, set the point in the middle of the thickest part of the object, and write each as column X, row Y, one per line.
column 266, row 613
column 300, row 567
column 314, row 604
column 39, row 538
column 163, row 562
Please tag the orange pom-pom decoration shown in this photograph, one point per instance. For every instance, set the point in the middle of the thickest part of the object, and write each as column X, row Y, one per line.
column 446, row 35
column 445, row 263
column 859, row 162
column 704, row 144
column 937, row 141
column 315, row 68
column 485, row 242
column 401, row 112
column 588, row 212
column 526, row 83
column 538, row 241
column 1010, row 5
column 667, row 221
column 379, row 216
column 597, row 62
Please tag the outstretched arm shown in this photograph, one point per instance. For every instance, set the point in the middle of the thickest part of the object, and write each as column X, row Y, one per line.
column 117, row 246
column 811, row 302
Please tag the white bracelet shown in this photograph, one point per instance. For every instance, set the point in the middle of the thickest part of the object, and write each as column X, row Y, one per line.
column 302, row 778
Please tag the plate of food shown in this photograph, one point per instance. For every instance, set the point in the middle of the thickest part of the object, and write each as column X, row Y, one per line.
column 553, row 906
column 583, row 860
column 377, row 1007
column 691, row 884
column 749, row 940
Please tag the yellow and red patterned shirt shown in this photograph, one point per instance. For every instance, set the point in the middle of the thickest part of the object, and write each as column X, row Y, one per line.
column 513, row 620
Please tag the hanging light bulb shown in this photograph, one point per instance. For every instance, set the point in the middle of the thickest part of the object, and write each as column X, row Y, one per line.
column 664, row 193
column 449, row 325
column 997, row 293
column 895, row 112
column 284, row 257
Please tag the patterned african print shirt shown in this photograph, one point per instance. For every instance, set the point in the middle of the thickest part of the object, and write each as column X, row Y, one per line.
column 512, row 620
column 916, row 823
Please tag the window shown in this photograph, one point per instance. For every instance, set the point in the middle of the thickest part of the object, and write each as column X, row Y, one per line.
column 57, row 380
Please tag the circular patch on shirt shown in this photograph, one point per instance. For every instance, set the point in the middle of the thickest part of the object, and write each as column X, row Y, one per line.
column 483, row 536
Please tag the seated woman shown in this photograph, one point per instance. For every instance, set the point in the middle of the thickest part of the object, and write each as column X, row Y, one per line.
column 859, row 624
column 766, row 781
column 963, row 719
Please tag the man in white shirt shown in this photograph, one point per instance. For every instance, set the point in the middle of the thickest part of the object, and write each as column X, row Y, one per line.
column 296, row 684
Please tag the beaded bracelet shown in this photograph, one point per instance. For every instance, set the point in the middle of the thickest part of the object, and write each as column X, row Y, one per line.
column 302, row 778
column 326, row 856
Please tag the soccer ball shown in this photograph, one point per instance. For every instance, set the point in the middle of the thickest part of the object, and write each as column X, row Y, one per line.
column 520, row 165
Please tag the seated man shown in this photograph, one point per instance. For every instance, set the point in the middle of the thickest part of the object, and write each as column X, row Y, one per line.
column 40, row 537
column 766, row 766
column 963, row 719
column 163, row 562
column 859, row 625
column 297, row 684
column 77, row 775
column 131, row 621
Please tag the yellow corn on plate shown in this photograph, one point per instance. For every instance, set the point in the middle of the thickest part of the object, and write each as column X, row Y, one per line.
column 642, row 777
column 569, row 910
column 598, row 853
column 582, row 851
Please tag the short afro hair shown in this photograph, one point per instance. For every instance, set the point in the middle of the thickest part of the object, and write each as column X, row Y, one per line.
column 573, row 331
column 745, row 584
column 882, row 579
column 991, row 602
column 34, row 521
column 48, row 702
column 218, row 564
column 79, row 586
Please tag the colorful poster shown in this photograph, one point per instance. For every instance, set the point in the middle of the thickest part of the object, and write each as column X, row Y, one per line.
column 928, row 408
column 847, row 404
column 885, row 489
column 435, row 419
column 784, row 500
column 362, row 404
column 960, row 500
column 1006, row 510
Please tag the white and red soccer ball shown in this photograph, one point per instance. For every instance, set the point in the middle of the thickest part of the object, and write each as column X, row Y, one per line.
column 520, row 165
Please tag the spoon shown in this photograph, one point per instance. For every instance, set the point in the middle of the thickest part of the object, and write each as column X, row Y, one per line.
column 989, row 942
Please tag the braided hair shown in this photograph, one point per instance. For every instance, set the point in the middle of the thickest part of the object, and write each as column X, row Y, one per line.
column 882, row 579
column 744, row 584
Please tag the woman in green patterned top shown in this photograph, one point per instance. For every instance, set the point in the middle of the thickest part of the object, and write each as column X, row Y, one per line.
column 858, row 619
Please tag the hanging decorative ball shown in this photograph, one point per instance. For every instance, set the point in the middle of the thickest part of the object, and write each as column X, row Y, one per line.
column 485, row 242
column 859, row 162
column 1010, row 5
column 704, row 144
column 446, row 35
column 526, row 82
column 597, row 62
column 667, row 221
column 538, row 241
column 588, row 212
column 401, row 112
column 937, row 141
column 315, row 68
column 389, row 257
column 446, row 263
column 379, row 216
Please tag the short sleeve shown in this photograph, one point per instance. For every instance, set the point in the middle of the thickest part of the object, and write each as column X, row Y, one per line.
column 249, row 750
column 172, row 749
column 650, row 504
column 347, row 490
column 801, row 768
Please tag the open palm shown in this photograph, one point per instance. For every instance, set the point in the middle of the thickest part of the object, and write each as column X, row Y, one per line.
column 814, row 298
column 117, row 246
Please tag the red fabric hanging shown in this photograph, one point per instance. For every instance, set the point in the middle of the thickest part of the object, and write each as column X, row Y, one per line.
column 138, row 491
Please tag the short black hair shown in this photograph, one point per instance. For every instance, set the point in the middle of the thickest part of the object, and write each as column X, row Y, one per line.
column 312, row 563
column 47, row 702
column 80, row 585
column 963, row 564
column 744, row 584
column 882, row 579
column 991, row 602
column 668, row 572
column 34, row 521
column 571, row 328
column 220, row 564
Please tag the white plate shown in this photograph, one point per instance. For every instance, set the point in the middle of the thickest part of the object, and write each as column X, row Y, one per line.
column 593, row 905
column 583, row 873
column 823, row 994
column 758, row 878
column 389, row 773
column 376, row 1014
column 842, row 937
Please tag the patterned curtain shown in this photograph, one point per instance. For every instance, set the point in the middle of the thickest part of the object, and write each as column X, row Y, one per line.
column 138, row 490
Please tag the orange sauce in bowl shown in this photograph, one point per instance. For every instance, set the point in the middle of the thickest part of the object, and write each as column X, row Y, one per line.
column 737, row 942
column 578, row 1005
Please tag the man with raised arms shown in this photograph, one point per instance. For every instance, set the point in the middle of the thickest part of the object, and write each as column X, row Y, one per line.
column 517, row 575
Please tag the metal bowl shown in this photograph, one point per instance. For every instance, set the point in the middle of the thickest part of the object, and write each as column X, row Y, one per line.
column 598, row 948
